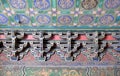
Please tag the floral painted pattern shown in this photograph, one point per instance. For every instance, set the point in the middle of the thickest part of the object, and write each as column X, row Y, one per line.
column 42, row 4
column 65, row 4
column 19, row 4
column 43, row 19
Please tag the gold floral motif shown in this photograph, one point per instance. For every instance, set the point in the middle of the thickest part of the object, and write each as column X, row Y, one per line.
column 65, row 72
column 73, row 73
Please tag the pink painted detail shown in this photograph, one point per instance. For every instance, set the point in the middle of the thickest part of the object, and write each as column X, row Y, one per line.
column 82, row 37
column 29, row 37
column 2, row 36
column 28, row 57
column 56, row 37
column 81, row 58
column 108, row 57
column 3, row 57
column 109, row 37
column 118, row 54
column 55, row 58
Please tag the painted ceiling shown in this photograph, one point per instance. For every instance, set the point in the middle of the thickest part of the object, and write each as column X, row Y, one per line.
column 31, row 45
column 60, row 13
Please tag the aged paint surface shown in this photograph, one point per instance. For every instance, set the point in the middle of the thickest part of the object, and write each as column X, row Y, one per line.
column 94, row 13
column 54, row 9
column 59, row 71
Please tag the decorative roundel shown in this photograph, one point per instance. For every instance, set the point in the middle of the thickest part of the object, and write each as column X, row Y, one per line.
column 106, row 19
column 42, row 4
column 65, row 4
column 3, row 19
column 73, row 73
column 86, row 19
column 21, row 19
column 64, row 19
column 112, row 3
column 89, row 4
column 43, row 19
column 19, row 4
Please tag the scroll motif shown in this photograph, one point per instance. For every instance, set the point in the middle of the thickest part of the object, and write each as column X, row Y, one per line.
column 89, row 4
column 3, row 19
column 42, row 4
column 86, row 19
column 65, row 19
column 112, row 3
column 73, row 73
column 106, row 19
column 19, row 4
column 65, row 4
column 43, row 19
